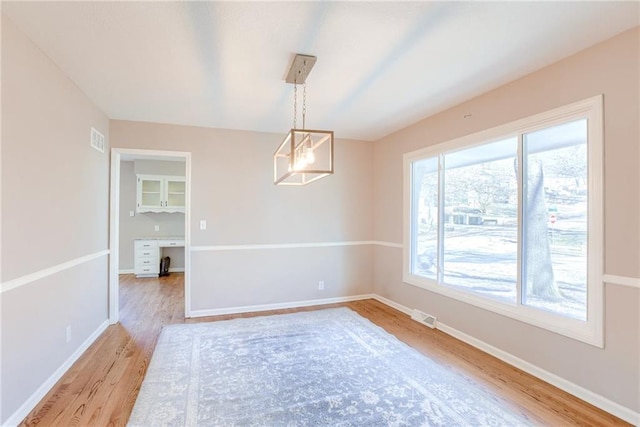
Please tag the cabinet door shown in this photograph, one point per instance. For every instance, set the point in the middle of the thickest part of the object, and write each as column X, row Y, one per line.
column 175, row 191
column 150, row 193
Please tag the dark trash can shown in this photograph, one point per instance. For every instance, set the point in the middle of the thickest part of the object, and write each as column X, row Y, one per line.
column 164, row 266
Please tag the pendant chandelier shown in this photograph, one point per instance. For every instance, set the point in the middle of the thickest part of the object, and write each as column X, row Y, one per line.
column 304, row 155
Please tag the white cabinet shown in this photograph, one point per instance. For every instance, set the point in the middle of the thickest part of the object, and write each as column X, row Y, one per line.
column 159, row 193
column 147, row 258
column 148, row 253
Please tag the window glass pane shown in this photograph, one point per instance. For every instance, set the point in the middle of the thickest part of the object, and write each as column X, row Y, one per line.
column 425, row 218
column 480, row 220
column 555, row 219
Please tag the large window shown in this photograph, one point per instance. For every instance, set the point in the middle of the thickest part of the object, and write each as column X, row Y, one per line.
column 510, row 219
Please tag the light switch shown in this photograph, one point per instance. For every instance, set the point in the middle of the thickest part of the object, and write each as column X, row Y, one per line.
column 131, row 213
column 157, row 227
column 203, row 224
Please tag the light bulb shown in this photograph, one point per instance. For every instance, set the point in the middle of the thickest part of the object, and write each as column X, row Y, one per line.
column 310, row 157
column 300, row 162
column 307, row 150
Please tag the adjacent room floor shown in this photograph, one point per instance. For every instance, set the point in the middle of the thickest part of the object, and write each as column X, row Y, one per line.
column 101, row 387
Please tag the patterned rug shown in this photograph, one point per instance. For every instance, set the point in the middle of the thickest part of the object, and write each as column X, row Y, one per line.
column 319, row 368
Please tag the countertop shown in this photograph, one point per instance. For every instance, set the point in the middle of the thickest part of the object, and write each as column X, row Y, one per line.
column 161, row 238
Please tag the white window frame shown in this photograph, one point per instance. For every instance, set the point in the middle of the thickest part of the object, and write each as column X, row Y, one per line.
column 589, row 331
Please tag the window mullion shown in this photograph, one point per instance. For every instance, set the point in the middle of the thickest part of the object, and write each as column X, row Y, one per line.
column 521, row 267
column 440, row 258
column 413, row 209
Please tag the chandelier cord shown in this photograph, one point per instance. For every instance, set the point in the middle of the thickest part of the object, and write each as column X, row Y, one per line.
column 304, row 96
column 295, row 104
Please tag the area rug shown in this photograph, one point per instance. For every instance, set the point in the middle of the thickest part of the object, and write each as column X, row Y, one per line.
column 319, row 368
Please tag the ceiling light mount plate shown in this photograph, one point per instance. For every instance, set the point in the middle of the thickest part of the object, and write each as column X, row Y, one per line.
column 299, row 71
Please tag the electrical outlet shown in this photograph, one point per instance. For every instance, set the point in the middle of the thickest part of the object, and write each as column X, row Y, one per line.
column 203, row 224
column 68, row 331
column 157, row 227
column 321, row 285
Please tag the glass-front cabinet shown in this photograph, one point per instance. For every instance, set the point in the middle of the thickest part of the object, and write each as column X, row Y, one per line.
column 175, row 193
column 159, row 193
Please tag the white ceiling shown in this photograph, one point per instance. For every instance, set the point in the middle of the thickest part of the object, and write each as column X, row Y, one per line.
column 381, row 65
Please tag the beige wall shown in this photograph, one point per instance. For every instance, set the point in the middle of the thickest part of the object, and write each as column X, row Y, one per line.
column 54, row 210
column 143, row 224
column 243, row 278
column 610, row 68
column 232, row 189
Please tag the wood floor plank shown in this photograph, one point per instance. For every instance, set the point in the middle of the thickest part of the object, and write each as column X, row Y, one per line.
column 101, row 387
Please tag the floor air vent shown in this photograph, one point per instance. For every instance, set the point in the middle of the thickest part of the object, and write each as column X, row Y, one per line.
column 97, row 140
column 424, row 318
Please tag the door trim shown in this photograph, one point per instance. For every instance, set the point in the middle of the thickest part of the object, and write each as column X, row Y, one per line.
column 114, row 223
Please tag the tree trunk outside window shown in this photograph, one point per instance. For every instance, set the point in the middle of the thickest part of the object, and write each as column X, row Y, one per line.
column 539, row 269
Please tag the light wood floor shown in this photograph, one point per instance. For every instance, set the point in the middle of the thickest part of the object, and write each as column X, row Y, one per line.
column 101, row 387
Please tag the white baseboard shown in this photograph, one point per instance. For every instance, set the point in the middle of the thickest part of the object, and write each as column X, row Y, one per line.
column 17, row 417
column 399, row 307
column 171, row 270
column 553, row 379
column 277, row 306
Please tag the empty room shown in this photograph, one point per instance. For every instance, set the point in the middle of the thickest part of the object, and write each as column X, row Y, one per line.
column 320, row 213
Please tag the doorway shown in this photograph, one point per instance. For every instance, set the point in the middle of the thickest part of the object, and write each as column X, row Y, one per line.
column 145, row 159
